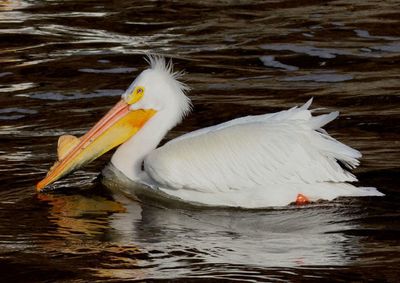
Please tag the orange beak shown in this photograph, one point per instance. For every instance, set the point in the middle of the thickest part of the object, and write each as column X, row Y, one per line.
column 115, row 128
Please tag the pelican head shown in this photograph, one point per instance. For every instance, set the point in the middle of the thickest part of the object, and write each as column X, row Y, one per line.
column 159, row 88
column 153, row 104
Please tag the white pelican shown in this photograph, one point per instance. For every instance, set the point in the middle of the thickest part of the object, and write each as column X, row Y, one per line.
column 251, row 162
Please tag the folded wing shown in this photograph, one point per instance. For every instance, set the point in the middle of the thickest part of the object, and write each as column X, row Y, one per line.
column 287, row 147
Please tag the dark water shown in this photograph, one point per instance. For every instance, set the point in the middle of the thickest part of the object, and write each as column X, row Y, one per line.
column 64, row 63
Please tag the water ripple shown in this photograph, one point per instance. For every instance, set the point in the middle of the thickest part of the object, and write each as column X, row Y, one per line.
column 74, row 96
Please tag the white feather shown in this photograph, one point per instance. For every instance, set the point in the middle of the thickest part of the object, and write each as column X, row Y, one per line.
column 279, row 150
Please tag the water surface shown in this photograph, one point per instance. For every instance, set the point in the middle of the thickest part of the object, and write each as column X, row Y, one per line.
column 65, row 63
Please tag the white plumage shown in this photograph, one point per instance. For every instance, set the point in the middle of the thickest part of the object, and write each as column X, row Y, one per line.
column 269, row 149
column 254, row 161
column 257, row 161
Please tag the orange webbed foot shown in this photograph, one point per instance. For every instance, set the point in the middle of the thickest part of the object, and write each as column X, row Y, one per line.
column 302, row 199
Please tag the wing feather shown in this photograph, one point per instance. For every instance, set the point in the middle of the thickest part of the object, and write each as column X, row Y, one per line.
column 288, row 147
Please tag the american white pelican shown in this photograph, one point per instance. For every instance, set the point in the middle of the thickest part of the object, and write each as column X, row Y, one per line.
column 255, row 161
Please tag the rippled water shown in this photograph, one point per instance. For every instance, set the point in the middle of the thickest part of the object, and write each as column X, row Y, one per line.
column 64, row 63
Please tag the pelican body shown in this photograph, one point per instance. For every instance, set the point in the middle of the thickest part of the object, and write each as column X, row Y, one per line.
column 249, row 162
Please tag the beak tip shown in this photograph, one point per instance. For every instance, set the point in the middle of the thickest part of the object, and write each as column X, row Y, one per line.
column 40, row 186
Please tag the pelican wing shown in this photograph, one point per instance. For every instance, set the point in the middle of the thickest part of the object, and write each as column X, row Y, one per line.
column 288, row 147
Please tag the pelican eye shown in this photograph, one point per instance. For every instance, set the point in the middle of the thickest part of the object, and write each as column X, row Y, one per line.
column 136, row 95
